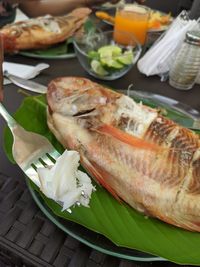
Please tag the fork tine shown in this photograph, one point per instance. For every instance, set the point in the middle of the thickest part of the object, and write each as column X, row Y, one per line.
column 32, row 174
column 38, row 164
column 53, row 154
column 46, row 160
column 31, row 171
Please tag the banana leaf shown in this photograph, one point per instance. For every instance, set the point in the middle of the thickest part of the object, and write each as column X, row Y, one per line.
column 61, row 50
column 120, row 223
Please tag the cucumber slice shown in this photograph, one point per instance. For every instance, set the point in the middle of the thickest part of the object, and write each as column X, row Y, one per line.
column 97, row 68
column 126, row 58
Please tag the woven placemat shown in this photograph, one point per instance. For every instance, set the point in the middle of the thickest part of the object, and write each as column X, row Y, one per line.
column 28, row 238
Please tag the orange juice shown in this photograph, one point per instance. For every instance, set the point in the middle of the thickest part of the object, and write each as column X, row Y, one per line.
column 132, row 19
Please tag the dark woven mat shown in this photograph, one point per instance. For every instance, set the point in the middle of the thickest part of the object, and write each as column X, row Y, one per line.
column 28, row 238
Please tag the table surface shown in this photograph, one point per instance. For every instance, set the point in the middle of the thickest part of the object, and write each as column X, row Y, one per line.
column 77, row 253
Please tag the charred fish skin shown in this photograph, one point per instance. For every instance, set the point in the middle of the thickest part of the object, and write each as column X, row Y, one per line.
column 42, row 32
column 140, row 156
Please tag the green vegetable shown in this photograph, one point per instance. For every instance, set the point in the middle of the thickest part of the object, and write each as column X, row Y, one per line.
column 89, row 26
column 111, row 63
column 110, row 49
column 97, row 68
column 108, row 56
column 55, row 50
column 111, row 58
column 126, row 58
column 93, row 55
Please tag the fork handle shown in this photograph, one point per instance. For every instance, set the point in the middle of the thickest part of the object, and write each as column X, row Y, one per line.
column 8, row 118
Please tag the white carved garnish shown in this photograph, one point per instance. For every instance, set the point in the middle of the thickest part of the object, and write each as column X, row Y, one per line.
column 64, row 183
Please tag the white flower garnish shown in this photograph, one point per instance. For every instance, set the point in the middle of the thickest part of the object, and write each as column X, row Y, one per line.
column 64, row 183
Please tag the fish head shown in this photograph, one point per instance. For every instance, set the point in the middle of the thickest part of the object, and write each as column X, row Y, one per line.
column 75, row 96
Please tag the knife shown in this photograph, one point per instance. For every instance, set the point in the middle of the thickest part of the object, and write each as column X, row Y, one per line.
column 195, row 125
column 193, row 116
column 26, row 84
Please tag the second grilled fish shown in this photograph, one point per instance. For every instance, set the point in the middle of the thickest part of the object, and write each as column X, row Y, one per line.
column 42, row 32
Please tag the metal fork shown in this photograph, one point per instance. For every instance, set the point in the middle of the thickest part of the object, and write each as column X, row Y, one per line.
column 30, row 150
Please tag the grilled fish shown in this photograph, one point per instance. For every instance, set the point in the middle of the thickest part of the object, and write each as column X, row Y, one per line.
column 137, row 154
column 42, row 32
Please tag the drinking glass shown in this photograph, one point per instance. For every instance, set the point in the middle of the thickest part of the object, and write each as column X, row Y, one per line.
column 132, row 19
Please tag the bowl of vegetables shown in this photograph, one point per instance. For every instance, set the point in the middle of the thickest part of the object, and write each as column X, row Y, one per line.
column 106, row 56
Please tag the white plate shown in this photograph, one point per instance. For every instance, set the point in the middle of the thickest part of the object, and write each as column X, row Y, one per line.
column 108, row 5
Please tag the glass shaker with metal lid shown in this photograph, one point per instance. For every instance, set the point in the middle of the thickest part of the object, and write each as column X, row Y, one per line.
column 186, row 66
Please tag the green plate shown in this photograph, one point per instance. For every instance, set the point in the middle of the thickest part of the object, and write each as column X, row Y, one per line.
column 109, row 226
column 35, row 55
column 63, row 50
column 86, row 236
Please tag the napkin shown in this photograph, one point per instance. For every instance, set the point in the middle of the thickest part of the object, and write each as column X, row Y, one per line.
column 20, row 15
column 160, row 57
column 22, row 70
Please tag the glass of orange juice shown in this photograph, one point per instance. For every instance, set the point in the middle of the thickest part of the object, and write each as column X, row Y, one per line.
column 132, row 19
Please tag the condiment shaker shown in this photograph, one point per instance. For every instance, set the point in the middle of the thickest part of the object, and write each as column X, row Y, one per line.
column 186, row 66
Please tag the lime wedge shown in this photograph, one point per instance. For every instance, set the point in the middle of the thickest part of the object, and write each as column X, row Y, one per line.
column 109, row 62
column 105, row 57
column 126, row 58
column 93, row 55
column 111, row 49
column 108, row 56
column 97, row 68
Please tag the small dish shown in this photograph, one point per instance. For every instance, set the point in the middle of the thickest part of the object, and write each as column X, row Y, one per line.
column 107, row 55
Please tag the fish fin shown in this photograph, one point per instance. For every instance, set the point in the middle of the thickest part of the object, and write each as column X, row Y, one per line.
column 127, row 138
column 98, row 174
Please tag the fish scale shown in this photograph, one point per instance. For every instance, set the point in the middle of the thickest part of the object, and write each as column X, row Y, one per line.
column 148, row 161
column 158, row 131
